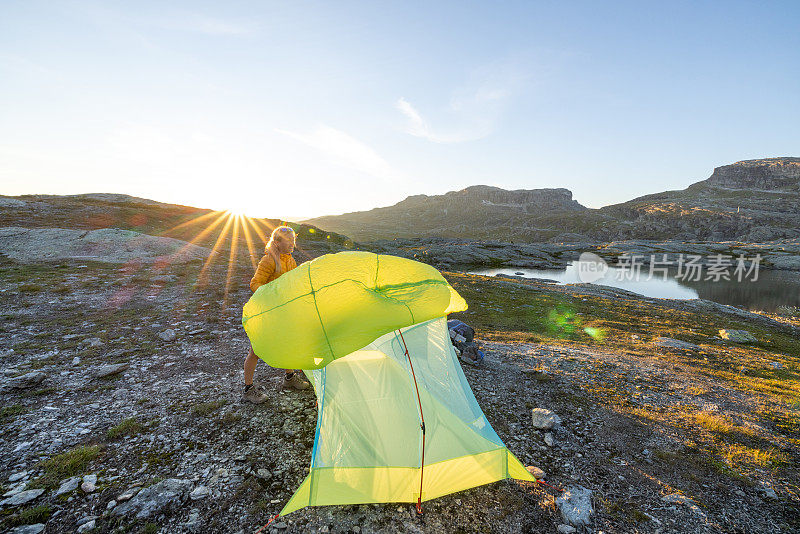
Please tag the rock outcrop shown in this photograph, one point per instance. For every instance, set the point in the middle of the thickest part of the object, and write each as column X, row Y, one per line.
column 527, row 200
column 107, row 245
column 776, row 174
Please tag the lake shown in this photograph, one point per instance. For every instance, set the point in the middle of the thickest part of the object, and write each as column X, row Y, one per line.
column 770, row 290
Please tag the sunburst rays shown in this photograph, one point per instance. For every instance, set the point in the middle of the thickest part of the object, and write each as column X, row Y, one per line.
column 227, row 234
column 203, row 277
column 229, row 228
column 249, row 241
column 237, row 223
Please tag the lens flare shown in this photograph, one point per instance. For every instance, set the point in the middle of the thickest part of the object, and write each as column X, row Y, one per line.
column 564, row 322
column 598, row 334
column 561, row 322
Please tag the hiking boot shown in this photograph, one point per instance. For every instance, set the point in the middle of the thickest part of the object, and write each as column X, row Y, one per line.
column 295, row 382
column 255, row 395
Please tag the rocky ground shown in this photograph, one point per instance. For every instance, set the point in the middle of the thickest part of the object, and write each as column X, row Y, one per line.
column 122, row 412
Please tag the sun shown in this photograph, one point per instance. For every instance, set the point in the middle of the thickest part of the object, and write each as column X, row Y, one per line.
column 236, row 212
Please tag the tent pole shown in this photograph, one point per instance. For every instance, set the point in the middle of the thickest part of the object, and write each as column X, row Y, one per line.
column 422, row 423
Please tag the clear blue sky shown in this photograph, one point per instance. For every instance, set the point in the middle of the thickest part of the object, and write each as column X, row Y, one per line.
column 293, row 109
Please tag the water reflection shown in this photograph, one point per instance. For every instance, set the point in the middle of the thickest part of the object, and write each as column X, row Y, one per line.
column 771, row 290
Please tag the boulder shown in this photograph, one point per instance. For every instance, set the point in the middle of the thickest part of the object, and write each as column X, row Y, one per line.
column 155, row 499
column 200, row 492
column 16, row 489
column 128, row 495
column 86, row 527
column 537, row 473
column 737, row 336
column 112, row 245
column 575, row 505
column 671, row 343
column 6, row 202
column 111, row 369
column 28, row 380
column 67, row 485
column 543, row 419
column 28, row 529
column 91, row 342
column 89, row 483
column 168, row 335
column 16, row 477
column 22, row 497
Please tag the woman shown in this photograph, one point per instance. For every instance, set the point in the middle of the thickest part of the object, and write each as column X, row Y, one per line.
column 277, row 260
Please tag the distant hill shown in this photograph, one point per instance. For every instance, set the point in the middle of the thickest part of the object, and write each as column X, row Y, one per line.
column 478, row 212
column 754, row 200
column 95, row 211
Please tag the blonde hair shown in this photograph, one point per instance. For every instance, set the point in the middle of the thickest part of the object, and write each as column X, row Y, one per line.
column 278, row 231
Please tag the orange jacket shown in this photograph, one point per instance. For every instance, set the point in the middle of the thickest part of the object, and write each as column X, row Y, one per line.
column 266, row 270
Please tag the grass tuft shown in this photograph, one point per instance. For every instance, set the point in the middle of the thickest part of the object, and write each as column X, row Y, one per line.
column 30, row 288
column 127, row 427
column 29, row 516
column 713, row 422
column 64, row 465
column 10, row 412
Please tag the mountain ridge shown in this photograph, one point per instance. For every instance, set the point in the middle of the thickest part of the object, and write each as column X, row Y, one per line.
column 712, row 209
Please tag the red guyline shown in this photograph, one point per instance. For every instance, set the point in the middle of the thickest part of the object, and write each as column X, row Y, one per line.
column 422, row 423
column 548, row 485
column 268, row 524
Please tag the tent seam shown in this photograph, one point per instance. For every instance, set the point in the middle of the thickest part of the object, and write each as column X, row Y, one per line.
column 321, row 324
column 374, row 290
column 316, row 436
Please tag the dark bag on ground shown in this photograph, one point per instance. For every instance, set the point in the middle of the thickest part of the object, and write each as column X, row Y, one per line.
column 463, row 338
column 461, row 329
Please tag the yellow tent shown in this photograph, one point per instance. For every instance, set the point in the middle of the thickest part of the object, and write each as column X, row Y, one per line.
column 397, row 420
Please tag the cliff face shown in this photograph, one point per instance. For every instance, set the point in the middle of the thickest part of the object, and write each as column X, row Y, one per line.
column 526, row 200
column 754, row 200
column 773, row 174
